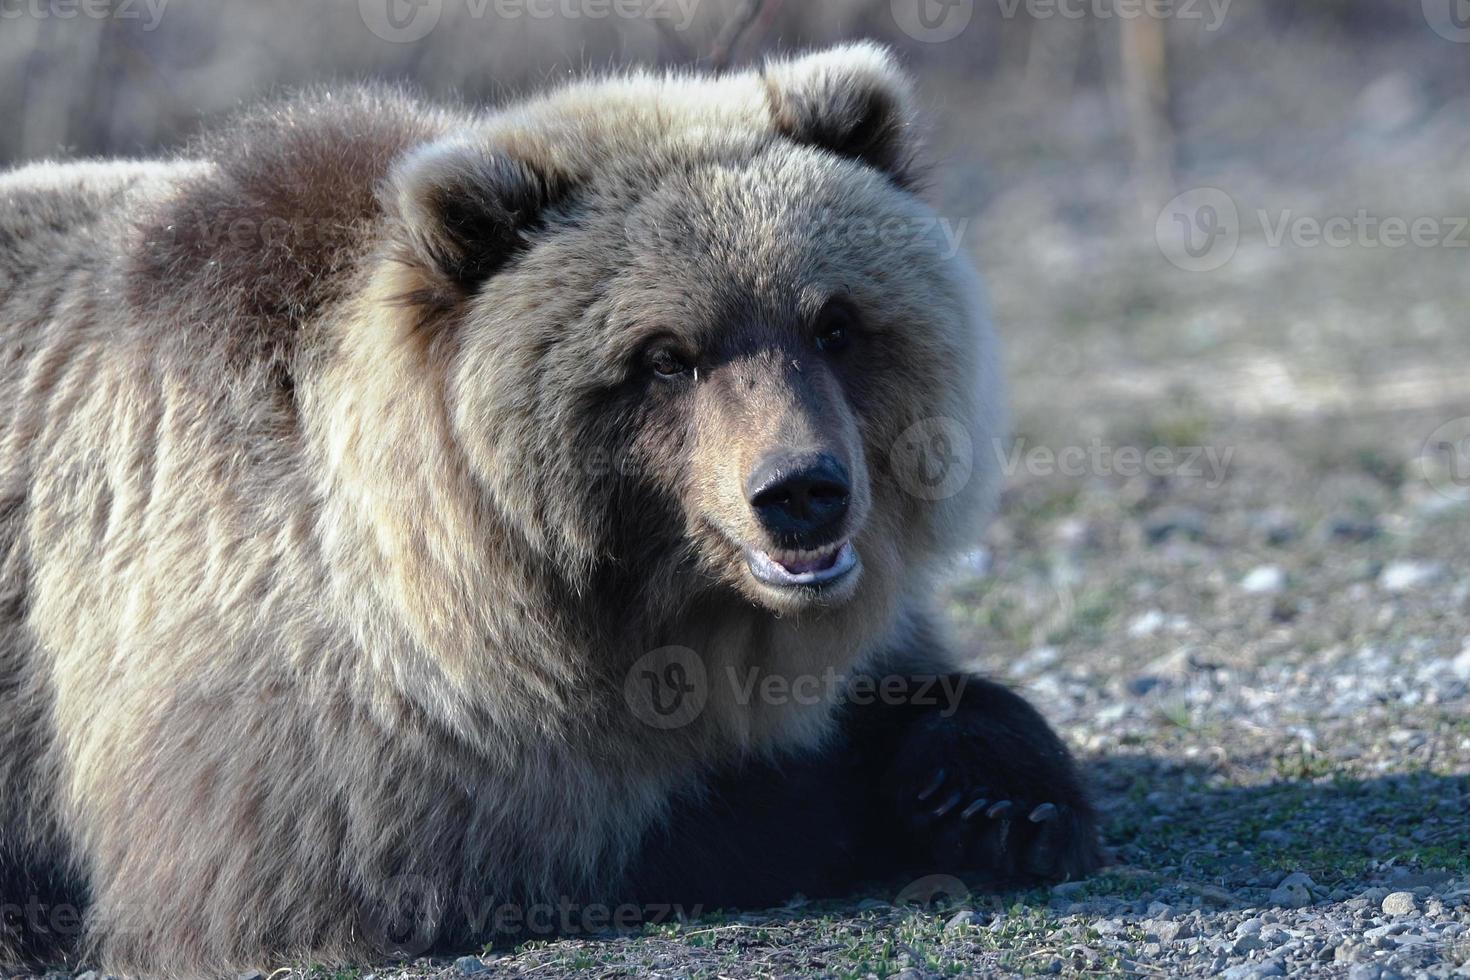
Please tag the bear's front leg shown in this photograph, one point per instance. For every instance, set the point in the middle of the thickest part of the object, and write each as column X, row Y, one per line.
column 972, row 778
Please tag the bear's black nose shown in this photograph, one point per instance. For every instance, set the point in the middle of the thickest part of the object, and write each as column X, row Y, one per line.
column 801, row 499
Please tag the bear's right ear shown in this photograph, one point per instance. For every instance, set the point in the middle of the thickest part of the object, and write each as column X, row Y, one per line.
column 852, row 100
column 465, row 209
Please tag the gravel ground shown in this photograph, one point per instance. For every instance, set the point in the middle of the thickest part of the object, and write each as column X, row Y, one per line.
column 1263, row 658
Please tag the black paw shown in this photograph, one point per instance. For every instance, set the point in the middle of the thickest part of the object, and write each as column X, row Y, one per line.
column 957, row 823
column 993, row 793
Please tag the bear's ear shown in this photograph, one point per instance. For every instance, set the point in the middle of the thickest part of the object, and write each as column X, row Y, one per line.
column 853, row 100
column 465, row 208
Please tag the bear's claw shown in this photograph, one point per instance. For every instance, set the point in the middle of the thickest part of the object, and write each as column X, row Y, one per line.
column 934, row 785
column 1001, row 809
column 949, row 804
column 1045, row 812
column 974, row 808
column 1014, row 814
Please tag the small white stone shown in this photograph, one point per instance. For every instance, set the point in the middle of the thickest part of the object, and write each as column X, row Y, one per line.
column 976, row 563
column 1146, row 624
column 962, row 920
column 1460, row 666
column 1264, row 580
column 1034, row 661
column 1400, row 904
column 1406, row 576
column 1174, row 929
column 1250, row 927
column 1294, row 892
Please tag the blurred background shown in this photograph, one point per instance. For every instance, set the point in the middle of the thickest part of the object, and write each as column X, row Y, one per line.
column 1228, row 243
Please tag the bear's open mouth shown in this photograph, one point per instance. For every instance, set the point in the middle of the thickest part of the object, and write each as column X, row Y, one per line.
column 789, row 569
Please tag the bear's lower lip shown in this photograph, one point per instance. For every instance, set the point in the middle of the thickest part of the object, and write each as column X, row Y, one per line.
column 803, row 569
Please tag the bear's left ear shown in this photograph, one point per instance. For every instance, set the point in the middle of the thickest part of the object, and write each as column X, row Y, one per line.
column 465, row 208
column 853, row 100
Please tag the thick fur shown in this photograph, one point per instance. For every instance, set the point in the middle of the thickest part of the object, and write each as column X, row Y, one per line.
column 336, row 512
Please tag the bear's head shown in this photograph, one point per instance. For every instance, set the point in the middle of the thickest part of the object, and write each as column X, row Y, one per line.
column 703, row 332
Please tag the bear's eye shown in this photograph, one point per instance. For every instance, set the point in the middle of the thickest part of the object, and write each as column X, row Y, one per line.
column 667, row 362
column 835, row 327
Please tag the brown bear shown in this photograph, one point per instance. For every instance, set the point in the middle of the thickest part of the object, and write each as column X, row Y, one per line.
column 412, row 518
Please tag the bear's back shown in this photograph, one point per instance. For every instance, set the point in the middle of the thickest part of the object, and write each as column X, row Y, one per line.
column 47, row 198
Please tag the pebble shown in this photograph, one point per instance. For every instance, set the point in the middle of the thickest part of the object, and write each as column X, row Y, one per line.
column 1182, row 522
column 1294, row 892
column 469, row 966
column 1250, row 927
column 963, row 920
column 1407, row 576
column 1146, row 624
column 1460, row 666
column 1353, row 529
column 1265, row 580
column 1254, row 971
column 975, row 564
column 1372, row 971
column 1400, row 904
column 1278, row 527
column 1035, row 661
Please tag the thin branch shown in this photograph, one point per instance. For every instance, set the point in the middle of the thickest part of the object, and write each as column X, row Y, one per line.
column 722, row 55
